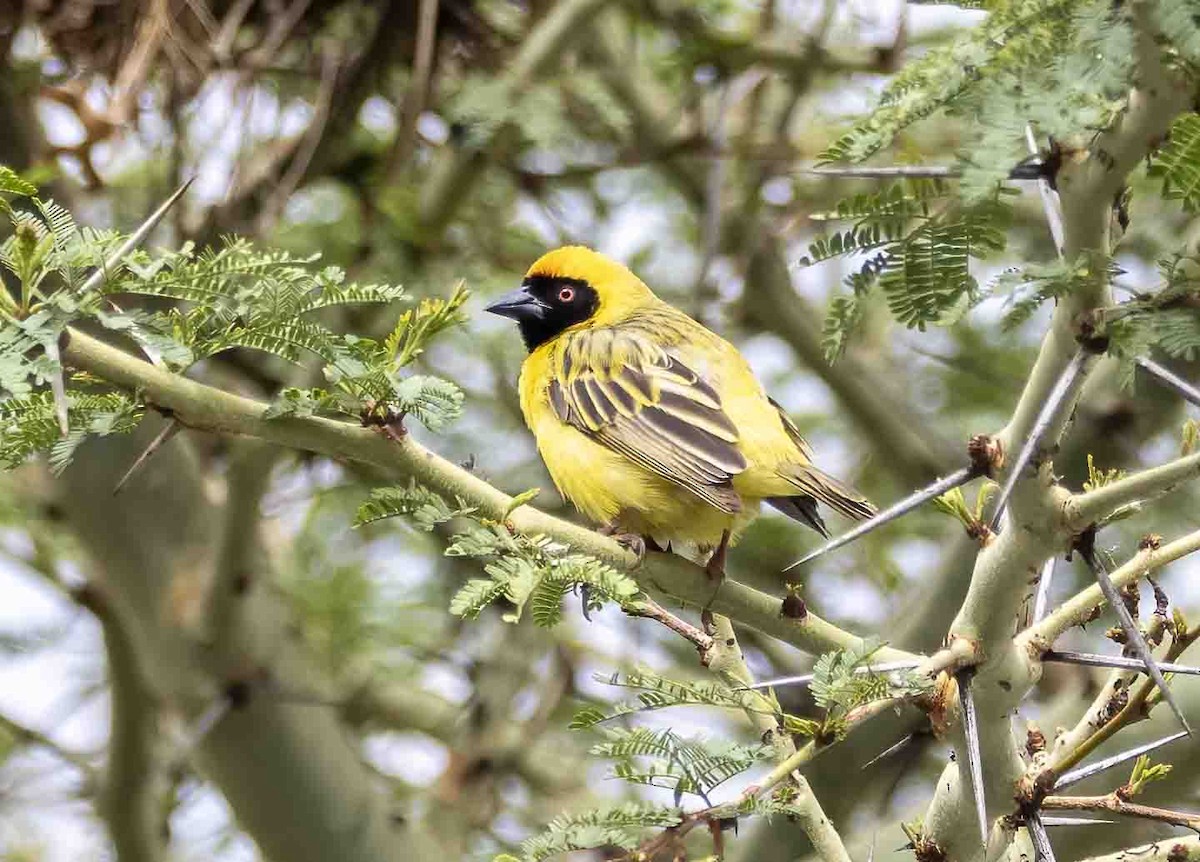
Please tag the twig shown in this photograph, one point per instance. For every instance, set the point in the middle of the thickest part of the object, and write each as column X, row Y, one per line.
column 1170, row 850
column 23, row 733
column 649, row 609
column 303, row 153
column 418, row 89
column 1091, row 506
column 1076, row 609
column 1116, row 805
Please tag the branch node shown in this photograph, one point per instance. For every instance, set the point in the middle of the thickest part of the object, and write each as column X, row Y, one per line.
column 986, row 454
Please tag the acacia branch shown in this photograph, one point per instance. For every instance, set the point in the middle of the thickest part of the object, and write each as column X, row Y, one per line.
column 1114, row 804
column 1080, row 607
column 1083, row 509
column 135, row 780
column 1170, row 850
column 207, row 408
column 728, row 661
column 1007, row 567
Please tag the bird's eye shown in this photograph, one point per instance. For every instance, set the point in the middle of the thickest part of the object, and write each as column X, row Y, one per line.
column 566, row 294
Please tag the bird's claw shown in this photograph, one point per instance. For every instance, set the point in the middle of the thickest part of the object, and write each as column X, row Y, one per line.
column 635, row 543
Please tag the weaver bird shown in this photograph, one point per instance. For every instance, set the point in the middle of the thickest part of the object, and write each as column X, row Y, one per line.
column 653, row 426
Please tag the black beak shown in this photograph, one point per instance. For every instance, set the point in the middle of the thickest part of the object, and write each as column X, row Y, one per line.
column 519, row 304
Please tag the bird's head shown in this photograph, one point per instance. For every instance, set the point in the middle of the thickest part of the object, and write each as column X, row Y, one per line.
column 571, row 288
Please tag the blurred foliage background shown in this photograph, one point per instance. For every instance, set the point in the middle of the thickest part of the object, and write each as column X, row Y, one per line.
column 423, row 143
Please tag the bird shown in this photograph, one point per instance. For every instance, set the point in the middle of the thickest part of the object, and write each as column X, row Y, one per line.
column 652, row 425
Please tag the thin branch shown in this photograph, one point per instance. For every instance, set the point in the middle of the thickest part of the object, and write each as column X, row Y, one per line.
column 1090, row 506
column 1079, row 607
column 1169, row 850
column 418, row 90
column 1133, row 633
column 207, row 408
column 649, row 609
column 726, row 660
column 26, row 734
column 1116, row 805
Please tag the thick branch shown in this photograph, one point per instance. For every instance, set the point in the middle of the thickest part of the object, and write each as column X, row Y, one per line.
column 1008, row 566
column 208, row 409
column 135, row 781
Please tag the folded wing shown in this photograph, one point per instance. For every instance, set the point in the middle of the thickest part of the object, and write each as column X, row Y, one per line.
column 630, row 395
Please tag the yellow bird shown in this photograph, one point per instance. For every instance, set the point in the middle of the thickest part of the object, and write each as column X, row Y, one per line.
column 649, row 423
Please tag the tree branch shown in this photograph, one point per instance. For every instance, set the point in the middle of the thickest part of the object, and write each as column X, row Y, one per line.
column 1079, row 607
column 206, row 408
column 728, row 662
column 1114, row 804
column 451, row 180
column 135, row 780
column 1083, row 509
column 1170, row 850
column 1007, row 567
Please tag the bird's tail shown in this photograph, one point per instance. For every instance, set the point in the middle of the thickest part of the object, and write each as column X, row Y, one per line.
column 819, row 485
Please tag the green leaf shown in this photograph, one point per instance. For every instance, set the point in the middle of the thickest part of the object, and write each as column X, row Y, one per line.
column 434, row 402
column 416, row 327
column 1178, row 163
column 423, row 507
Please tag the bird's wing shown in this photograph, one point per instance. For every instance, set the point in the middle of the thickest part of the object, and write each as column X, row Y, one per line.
column 629, row 394
column 792, row 431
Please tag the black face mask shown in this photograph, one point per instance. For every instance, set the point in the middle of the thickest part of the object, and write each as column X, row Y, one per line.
column 545, row 305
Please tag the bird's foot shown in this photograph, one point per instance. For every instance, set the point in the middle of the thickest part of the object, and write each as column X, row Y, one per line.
column 635, row 543
column 716, row 563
